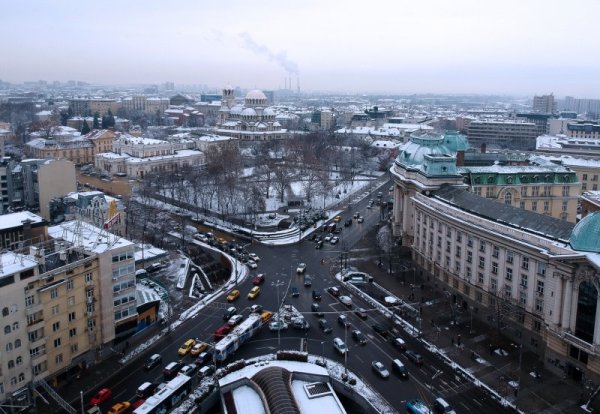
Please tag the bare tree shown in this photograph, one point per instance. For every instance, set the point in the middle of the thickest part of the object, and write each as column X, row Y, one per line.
column 386, row 244
column 283, row 178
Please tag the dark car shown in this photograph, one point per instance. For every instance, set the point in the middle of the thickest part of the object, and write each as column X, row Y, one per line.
column 343, row 320
column 294, row 291
column 348, row 223
column 203, row 358
column 399, row 343
column 319, row 244
column 316, row 309
column 359, row 337
column 316, row 295
column 380, row 330
column 415, row 357
column 324, row 325
column 307, row 281
column 229, row 312
column 334, row 290
column 361, row 313
column 153, row 361
column 171, row 370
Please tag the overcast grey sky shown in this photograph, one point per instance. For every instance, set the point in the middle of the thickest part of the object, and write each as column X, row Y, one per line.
column 440, row 46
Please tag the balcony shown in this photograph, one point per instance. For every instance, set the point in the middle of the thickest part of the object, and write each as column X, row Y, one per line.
column 36, row 307
column 580, row 343
column 38, row 342
column 35, row 325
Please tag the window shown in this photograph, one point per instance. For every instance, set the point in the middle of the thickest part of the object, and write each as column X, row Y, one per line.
column 468, row 272
column 535, row 191
column 508, row 198
column 470, row 241
column 57, row 343
column 458, row 236
column 595, row 177
column 58, row 359
column 4, row 311
column 523, row 297
column 70, row 283
column 11, row 364
column 534, row 206
column 21, row 377
column 489, row 192
column 507, row 291
column 541, row 269
column 537, row 325
column 55, row 326
column 565, row 206
column 458, row 251
column 565, row 190
column 509, row 256
column 19, row 361
column 524, row 191
column 496, row 251
column 547, row 191
column 88, row 277
column 55, row 310
column 546, row 206
column 493, row 284
column 481, row 262
column 74, row 348
column 540, row 287
column 72, row 332
column 53, row 293
column 584, row 177
column 482, row 246
column 9, row 347
column 439, row 241
column 509, row 273
column 525, row 263
column 523, row 280
column 539, row 305
column 522, row 205
column 495, row 268
column 17, row 343
column 71, row 316
column 7, row 329
column 29, row 301
column 71, row 300
column 469, row 257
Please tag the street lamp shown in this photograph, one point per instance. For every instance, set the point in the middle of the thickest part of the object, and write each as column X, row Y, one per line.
column 278, row 283
column 323, row 351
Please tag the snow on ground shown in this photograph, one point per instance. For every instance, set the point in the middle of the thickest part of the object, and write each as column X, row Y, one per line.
column 247, row 400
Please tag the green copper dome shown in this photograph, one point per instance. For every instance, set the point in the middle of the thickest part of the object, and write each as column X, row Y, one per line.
column 586, row 234
column 421, row 144
column 456, row 142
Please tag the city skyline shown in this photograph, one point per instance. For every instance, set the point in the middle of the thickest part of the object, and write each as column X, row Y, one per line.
column 431, row 47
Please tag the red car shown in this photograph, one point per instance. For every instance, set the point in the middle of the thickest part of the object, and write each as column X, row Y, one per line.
column 222, row 332
column 258, row 279
column 101, row 396
column 137, row 403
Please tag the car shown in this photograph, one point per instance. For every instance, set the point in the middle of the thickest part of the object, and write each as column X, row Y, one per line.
column 380, row 330
column 101, row 396
column 359, row 337
column 337, row 219
column 346, row 300
column 234, row 320
column 335, row 291
column 340, row 346
column 316, row 295
column 138, row 402
column 301, row 268
column 254, row 292
column 399, row 343
column 198, row 348
column 356, row 215
column 300, row 323
column 343, row 320
column 147, row 389
column 348, row 223
column 369, row 206
column 294, row 292
column 316, row 309
column 319, row 244
column 360, row 219
column 361, row 313
column 399, row 368
column 254, row 257
column 233, row 295
column 206, row 370
column 441, row 406
column 415, row 357
column 222, row 331
column 265, row 316
column 256, row 308
column 334, row 240
column 229, row 312
column 153, row 361
column 171, row 370
column 188, row 370
column 186, row 347
column 328, row 237
column 380, row 369
column 307, row 281
column 204, row 358
column 324, row 325
column 277, row 325
column 120, row 408
column 258, row 279
column 252, row 264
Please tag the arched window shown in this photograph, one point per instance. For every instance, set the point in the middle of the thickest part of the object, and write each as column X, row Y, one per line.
column 17, row 343
column 21, row 377
column 9, row 347
column 4, row 311
column 11, row 364
column 19, row 360
column 13, row 381
column 508, row 198
column 7, row 329
column 586, row 312
column 15, row 326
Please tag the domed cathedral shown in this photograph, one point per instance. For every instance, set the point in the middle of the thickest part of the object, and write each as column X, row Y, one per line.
column 532, row 276
column 254, row 120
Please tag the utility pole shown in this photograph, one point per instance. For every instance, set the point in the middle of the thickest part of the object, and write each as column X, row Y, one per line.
column 278, row 283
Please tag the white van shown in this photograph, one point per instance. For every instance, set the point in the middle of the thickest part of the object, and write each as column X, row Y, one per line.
column 340, row 346
column 146, row 390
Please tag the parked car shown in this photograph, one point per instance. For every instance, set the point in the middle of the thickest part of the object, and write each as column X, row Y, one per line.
column 316, row 309
column 101, row 396
column 258, row 279
column 399, row 368
column 186, row 347
column 346, row 300
column 415, row 357
column 343, row 320
column 380, row 330
column 340, row 346
column 278, row 325
column 334, row 290
column 254, row 292
column 359, row 337
column 316, row 295
column 380, row 369
column 324, row 325
column 361, row 313
column 301, row 268
column 233, row 295
column 198, row 348
column 229, row 312
column 153, row 361
column 254, row 257
column 294, row 292
column 252, row 264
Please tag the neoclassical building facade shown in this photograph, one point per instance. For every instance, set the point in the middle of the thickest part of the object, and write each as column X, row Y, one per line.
column 533, row 276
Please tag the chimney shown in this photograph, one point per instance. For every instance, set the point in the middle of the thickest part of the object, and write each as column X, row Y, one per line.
column 460, row 159
column 483, row 148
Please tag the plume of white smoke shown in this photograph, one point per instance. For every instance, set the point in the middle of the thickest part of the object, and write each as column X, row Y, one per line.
column 280, row 58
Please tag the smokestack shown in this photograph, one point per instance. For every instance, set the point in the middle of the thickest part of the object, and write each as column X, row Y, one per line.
column 290, row 82
column 298, row 84
column 460, row 159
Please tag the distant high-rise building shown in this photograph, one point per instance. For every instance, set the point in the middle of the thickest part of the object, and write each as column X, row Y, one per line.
column 544, row 103
column 503, row 134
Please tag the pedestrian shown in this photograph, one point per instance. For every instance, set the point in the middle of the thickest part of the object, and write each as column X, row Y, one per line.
column 491, row 349
column 452, row 341
column 458, row 340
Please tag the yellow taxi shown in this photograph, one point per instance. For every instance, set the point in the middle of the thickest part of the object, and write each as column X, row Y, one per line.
column 337, row 219
column 233, row 295
column 254, row 292
column 186, row 347
column 265, row 316
column 120, row 408
column 198, row 348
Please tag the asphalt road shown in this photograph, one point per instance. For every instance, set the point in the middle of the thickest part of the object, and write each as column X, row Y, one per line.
column 279, row 266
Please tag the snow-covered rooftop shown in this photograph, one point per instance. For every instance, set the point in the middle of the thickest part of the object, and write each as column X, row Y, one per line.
column 13, row 262
column 8, row 221
column 90, row 237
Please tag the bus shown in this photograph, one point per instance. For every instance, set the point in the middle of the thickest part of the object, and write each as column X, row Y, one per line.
column 168, row 397
column 236, row 338
column 417, row 406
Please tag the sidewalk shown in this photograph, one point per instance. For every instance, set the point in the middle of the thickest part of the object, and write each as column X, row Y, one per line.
column 480, row 348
